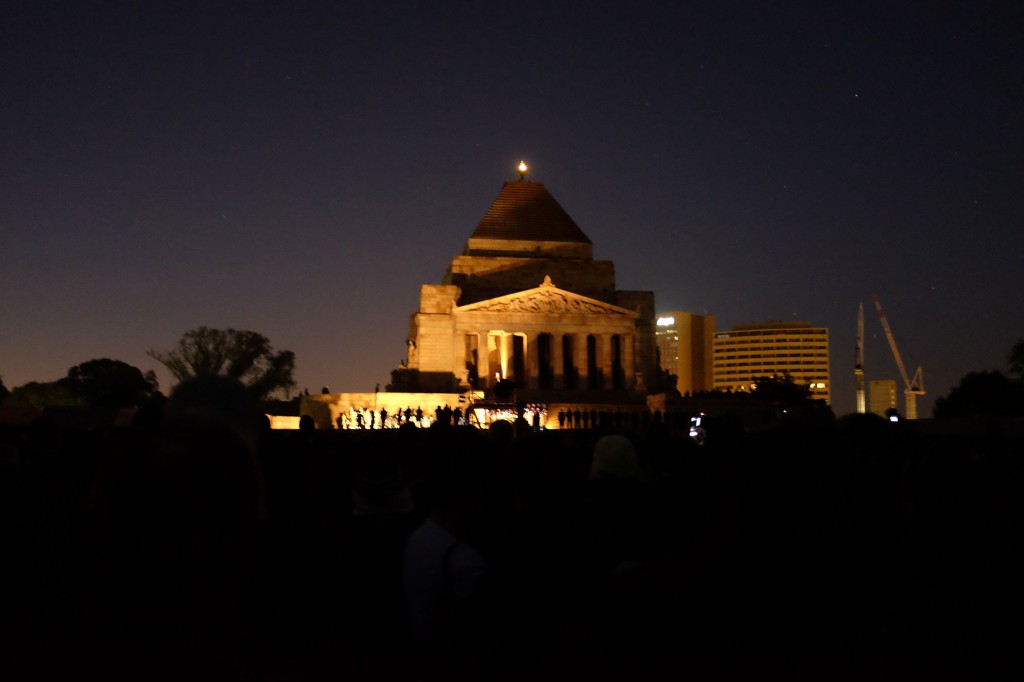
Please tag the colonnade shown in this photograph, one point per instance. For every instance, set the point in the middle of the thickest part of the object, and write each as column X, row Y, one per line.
column 554, row 360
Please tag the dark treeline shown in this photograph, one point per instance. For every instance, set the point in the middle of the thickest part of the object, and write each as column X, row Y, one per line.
column 585, row 553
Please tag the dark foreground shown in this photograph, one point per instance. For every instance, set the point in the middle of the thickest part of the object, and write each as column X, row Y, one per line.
column 840, row 550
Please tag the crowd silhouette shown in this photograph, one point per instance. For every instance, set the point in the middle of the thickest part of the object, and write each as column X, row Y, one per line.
column 457, row 553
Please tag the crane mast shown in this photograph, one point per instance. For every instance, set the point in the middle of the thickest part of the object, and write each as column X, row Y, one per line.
column 913, row 386
column 858, row 364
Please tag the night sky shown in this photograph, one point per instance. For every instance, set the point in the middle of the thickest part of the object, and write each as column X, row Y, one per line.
column 301, row 168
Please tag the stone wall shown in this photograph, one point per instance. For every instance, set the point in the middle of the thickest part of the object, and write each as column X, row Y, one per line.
column 438, row 298
column 646, row 343
column 484, row 277
column 482, row 246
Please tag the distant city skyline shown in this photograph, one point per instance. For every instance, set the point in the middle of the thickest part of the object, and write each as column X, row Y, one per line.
column 299, row 170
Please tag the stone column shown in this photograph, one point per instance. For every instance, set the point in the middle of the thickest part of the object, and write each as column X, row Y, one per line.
column 483, row 360
column 461, row 372
column 557, row 380
column 604, row 359
column 507, row 355
column 626, row 344
column 579, row 347
column 532, row 360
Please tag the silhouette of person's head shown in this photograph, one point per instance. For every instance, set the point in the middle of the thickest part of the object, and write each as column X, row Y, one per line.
column 215, row 399
column 178, row 519
column 614, row 457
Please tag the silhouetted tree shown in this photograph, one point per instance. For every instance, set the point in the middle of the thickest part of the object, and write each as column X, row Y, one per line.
column 96, row 383
column 3, row 391
column 1017, row 359
column 43, row 394
column 111, row 383
column 991, row 394
column 978, row 394
column 244, row 355
column 781, row 388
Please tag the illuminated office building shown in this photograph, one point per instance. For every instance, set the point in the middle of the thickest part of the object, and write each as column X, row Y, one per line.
column 881, row 396
column 748, row 352
column 685, row 343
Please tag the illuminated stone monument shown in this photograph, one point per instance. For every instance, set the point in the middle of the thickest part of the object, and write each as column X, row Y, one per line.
column 526, row 301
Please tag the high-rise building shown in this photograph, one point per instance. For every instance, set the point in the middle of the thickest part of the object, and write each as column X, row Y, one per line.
column 685, row 344
column 881, row 396
column 749, row 352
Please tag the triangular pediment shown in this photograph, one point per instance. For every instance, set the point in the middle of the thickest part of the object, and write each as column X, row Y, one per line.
column 547, row 298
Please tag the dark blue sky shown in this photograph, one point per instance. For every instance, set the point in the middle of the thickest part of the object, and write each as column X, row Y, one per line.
column 301, row 168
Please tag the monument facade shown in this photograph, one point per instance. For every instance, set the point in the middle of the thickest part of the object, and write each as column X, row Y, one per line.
column 526, row 301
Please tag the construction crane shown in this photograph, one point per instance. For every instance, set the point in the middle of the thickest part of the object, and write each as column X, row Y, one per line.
column 913, row 386
column 858, row 364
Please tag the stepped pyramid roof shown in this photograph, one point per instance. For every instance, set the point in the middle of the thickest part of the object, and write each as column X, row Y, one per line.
column 526, row 211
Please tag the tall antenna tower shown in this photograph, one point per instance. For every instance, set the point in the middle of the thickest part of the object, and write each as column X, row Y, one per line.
column 858, row 363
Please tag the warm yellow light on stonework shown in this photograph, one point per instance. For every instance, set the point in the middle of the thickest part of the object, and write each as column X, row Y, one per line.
column 522, row 168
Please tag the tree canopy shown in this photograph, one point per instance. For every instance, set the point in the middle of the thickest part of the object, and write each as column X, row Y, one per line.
column 96, row 383
column 111, row 383
column 782, row 388
column 1017, row 359
column 244, row 355
column 991, row 394
column 42, row 394
column 988, row 394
